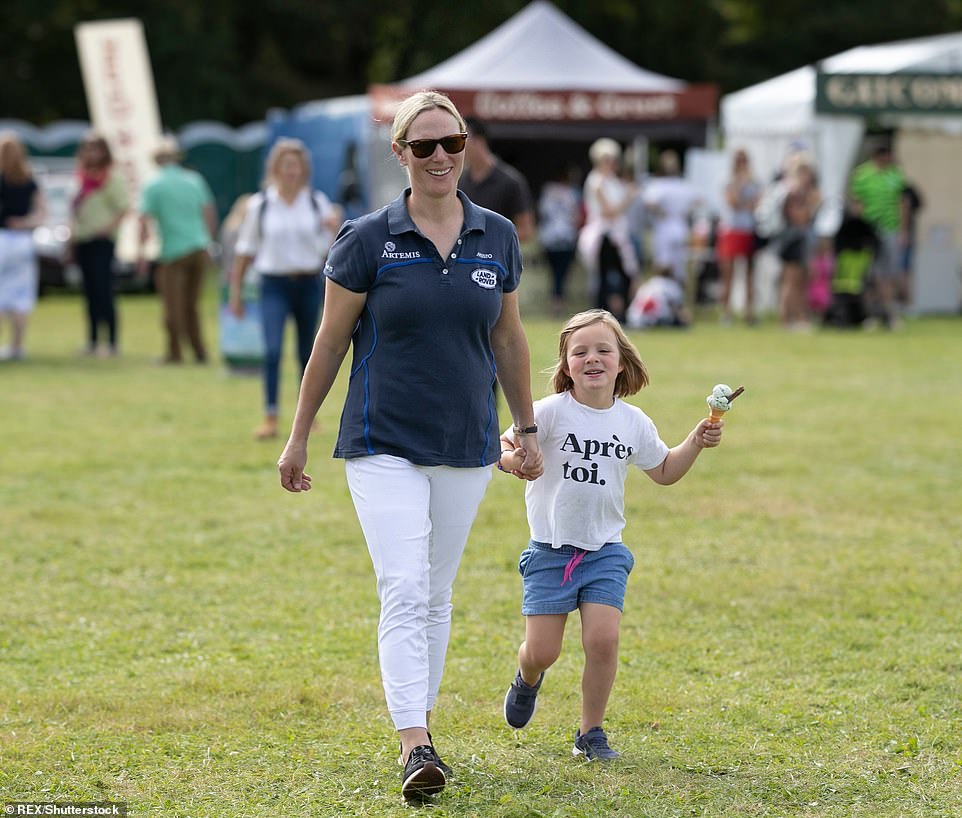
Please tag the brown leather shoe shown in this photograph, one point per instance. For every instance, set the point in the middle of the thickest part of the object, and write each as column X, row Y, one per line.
column 267, row 430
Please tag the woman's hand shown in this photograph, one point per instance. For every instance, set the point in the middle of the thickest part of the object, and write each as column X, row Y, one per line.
column 291, row 464
column 533, row 466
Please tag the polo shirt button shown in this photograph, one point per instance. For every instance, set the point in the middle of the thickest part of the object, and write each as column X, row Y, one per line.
column 454, row 255
column 445, row 271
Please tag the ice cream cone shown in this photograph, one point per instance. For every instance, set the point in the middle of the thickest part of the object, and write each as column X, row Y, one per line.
column 715, row 415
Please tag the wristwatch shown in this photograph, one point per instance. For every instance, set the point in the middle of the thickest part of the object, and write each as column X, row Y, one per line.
column 526, row 430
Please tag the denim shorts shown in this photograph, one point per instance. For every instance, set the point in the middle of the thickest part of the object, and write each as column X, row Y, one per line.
column 558, row 580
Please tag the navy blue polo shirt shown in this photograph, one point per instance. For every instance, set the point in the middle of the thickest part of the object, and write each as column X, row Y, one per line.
column 423, row 373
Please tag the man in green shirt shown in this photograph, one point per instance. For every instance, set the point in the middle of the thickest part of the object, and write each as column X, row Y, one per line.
column 878, row 184
column 182, row 206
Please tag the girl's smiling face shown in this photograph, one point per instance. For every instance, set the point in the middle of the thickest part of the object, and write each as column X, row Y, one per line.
column 593, row 362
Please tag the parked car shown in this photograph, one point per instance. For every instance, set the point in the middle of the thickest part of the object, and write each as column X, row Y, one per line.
column 58, row 181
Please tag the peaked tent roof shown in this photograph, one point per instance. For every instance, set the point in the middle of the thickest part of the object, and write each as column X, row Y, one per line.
column 541, row 73
column 785, row 103
column 541, row 48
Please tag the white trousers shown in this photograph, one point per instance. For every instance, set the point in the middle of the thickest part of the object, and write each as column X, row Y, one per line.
column 416, row 520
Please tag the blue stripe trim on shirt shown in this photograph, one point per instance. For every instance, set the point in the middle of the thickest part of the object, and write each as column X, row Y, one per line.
column 370, row 352
column 367, row 419
column 405, row 263
column 492, row 412
column 362, row 365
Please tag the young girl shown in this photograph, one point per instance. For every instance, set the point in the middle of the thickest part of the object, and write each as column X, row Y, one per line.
column 588, row 437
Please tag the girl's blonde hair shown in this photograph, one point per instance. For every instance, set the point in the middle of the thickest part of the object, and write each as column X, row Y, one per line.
column 14, row 166
column 280, row 149
column 418, row 103
column 633, row 376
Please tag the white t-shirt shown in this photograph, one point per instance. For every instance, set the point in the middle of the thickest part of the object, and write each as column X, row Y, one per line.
column 580, row 498
column 285, row 238
column 674, row 196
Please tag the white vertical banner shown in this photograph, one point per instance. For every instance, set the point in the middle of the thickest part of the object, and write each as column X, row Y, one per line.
column 122, row 103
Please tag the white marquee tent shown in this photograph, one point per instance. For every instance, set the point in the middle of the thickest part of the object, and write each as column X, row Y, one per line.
column 767, row 118
column 541, row 48
column 540, row 71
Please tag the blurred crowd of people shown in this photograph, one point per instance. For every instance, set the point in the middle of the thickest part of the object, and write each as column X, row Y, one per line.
column 637, row 239
column 633, row 234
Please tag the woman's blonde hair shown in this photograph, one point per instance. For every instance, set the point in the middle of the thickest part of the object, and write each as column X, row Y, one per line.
column 14, row 166
column 280, row 149
column 604, row 148
column 418, row 103
column 633, row 376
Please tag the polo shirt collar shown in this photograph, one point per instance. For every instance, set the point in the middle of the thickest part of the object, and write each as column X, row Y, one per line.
column 400, row 221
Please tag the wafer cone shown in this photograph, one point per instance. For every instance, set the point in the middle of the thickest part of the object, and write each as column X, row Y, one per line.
column 715, row 415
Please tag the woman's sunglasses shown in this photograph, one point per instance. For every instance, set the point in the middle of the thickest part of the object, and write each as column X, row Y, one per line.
column 423, row 148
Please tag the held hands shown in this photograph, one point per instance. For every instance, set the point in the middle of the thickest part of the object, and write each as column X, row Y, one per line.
column 290, row 465
column 707, row 435
column 525, row 462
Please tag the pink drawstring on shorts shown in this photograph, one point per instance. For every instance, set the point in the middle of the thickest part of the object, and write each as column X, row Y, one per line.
column 572, row 564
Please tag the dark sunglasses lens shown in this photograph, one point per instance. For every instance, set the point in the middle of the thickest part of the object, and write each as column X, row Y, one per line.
column 454, row 144
column 423, row 148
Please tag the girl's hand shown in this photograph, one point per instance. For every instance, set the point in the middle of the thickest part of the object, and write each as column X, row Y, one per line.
column 707, row 435
column 512, row 461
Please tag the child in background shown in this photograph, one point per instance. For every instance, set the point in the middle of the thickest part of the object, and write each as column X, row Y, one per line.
column 658, row 302
column 589, row 437
column 856, row 246
column 822, row 268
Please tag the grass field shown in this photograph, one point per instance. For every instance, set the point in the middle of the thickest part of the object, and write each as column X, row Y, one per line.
column 178, row 633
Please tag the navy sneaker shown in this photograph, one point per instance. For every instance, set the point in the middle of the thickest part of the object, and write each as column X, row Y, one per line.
column 521, row 701
column 593, row 745
column 422, row 776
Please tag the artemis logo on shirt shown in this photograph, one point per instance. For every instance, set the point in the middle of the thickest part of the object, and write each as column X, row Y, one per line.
column 390, row 251
column 589, row 449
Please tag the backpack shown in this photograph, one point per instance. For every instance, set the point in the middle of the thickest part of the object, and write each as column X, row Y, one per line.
column 263, row 208
column 325, row 234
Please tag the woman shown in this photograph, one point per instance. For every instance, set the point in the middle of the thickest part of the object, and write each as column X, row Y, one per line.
column 286, row 232
column 736, row 238
column 559, row 215
column 427, row 290
column 671, row 200
column 98, row 209
column 801, row 203
column 22, row 208
column 605, row 241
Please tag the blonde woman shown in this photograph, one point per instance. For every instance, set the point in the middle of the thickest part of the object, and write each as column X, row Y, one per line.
column 426, row 289
column 604, row 243
column 285, row 234
column 21, row 209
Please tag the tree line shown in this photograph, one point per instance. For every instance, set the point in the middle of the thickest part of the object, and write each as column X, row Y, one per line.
column 233, row 60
